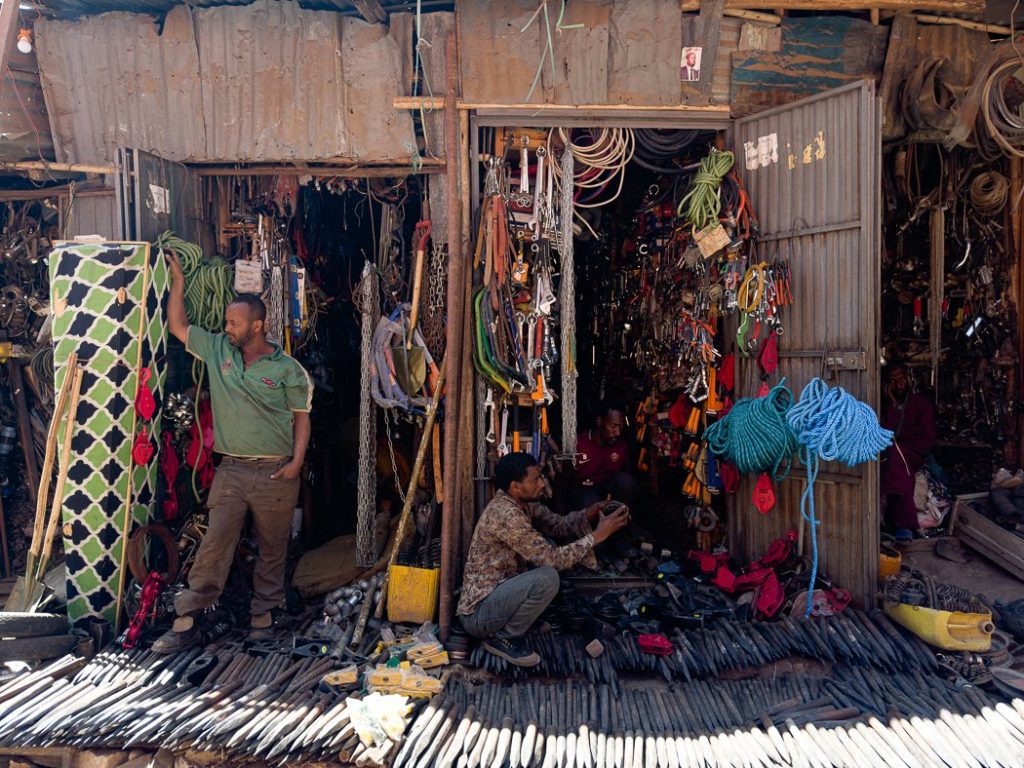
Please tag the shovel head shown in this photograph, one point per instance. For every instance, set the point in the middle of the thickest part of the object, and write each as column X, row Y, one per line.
column 26, row 596
column 410, row 368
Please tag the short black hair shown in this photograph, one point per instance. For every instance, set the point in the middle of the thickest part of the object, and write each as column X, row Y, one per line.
column 608, row 405
column 512, row 468
column 257, row 309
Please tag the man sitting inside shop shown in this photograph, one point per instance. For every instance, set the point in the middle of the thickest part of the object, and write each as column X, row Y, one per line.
column 602, row 466
column 511, row 574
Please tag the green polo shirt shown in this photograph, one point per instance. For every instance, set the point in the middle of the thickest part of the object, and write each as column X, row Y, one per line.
column 252, row 407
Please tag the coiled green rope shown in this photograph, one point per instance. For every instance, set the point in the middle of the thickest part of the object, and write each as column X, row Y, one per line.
column 703, row 200
column 209, row 282
column 755, row 436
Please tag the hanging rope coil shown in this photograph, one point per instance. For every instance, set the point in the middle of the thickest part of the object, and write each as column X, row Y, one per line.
column 656, row 149
column 600, row 161
column 989, row 191
column 754, row 435
column 209, row 283
column 831, row 425
column 703, row 204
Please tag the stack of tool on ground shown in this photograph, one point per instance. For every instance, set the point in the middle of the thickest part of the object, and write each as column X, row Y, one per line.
column 855, row 638
column 259, row 699
column 859, row 718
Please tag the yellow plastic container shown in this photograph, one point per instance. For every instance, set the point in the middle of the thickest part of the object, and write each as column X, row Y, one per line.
column 947, row 630
column 889, row 561
column 412, row 594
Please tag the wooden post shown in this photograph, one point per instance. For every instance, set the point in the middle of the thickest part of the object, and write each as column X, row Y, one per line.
column 457, row 276
column 24, row 428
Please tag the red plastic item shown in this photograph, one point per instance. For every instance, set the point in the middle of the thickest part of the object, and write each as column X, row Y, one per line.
column 764, row 494
column 145, row 404
column 200, row 458
column 709, row 563
column 727, row 372
column 730, row 477
column 768, row 359
column 142, row 450
column 151, row 590
column 778, row 552
column 679, row 412
column 658, row 645
column 770, row 596
column 170, row 466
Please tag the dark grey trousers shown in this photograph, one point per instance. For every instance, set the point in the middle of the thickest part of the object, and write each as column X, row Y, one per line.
column 513, row 605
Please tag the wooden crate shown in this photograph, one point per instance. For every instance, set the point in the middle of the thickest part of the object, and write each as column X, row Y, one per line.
column 979, row 533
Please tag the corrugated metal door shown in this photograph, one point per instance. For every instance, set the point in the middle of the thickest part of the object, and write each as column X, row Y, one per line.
column 812, row 170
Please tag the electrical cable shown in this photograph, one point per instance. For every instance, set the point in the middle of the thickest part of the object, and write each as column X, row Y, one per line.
column 597, row 164
column 657, row 148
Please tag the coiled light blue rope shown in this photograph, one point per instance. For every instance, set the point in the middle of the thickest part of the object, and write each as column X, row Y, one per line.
column 831, row 425
column 754, row 435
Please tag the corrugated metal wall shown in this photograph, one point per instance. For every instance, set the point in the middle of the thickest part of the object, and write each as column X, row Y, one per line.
column 265, row 82
column 94, row 214
column 818, row 207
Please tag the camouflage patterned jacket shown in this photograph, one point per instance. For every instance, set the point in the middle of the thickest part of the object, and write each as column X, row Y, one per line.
column 509, row 539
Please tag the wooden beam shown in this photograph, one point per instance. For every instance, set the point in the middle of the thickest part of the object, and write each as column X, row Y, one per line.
column 941, row 6
column 425, row 102
column 429, row 165
column 763, row 18
column 38, row 165
column 8, row 23
column 371, row 11
column 993, row 29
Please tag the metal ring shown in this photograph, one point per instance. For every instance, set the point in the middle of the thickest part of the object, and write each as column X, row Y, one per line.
column 643, row 249
column 535, row 248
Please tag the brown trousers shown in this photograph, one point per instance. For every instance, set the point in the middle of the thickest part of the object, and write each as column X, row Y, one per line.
column 240, row 486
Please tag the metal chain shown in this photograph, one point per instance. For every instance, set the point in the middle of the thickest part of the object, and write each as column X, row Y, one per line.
column 391, row 453
column 275, row 306
column 567, row 306
column 366, row 505
column 437, row 286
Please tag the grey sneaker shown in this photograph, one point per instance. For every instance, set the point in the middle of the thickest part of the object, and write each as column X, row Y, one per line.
column 171, row 641
column 511, row 651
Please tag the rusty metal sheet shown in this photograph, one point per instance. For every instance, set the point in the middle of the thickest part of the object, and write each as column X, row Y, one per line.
column 436, row 27
column 112, row 80
column 581, row 56
column 498, row 60
column 25, row 127
column 645, row 42
column 817, row 206
column 267, row 82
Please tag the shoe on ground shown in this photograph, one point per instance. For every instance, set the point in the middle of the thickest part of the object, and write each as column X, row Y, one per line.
column 511, row 651
column 261, row 625
column 904, row 536
column 181, row 635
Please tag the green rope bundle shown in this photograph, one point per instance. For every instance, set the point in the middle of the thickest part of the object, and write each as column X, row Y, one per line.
column 703, row 200
column 755, row 436
column 209, row 283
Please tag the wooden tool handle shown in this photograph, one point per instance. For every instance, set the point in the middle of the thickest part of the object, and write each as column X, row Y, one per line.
column 417, row 284
column 62, row 471
column 46, row 473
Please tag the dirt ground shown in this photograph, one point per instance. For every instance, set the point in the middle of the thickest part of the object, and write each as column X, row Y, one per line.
column 980, row 575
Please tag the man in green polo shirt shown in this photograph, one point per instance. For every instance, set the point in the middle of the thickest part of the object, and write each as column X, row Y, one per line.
column 261, row 400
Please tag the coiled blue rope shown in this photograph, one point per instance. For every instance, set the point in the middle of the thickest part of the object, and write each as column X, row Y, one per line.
column 754, row 435
column 831, row 425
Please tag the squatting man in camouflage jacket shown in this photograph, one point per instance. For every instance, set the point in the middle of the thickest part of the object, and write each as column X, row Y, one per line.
column 512, row 572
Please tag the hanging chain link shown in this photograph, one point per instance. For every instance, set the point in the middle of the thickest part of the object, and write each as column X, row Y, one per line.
column 437, row 287
column 391, row 453
column 366, row 504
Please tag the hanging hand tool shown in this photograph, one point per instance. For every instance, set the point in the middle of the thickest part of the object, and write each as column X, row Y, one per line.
column 410, row 364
